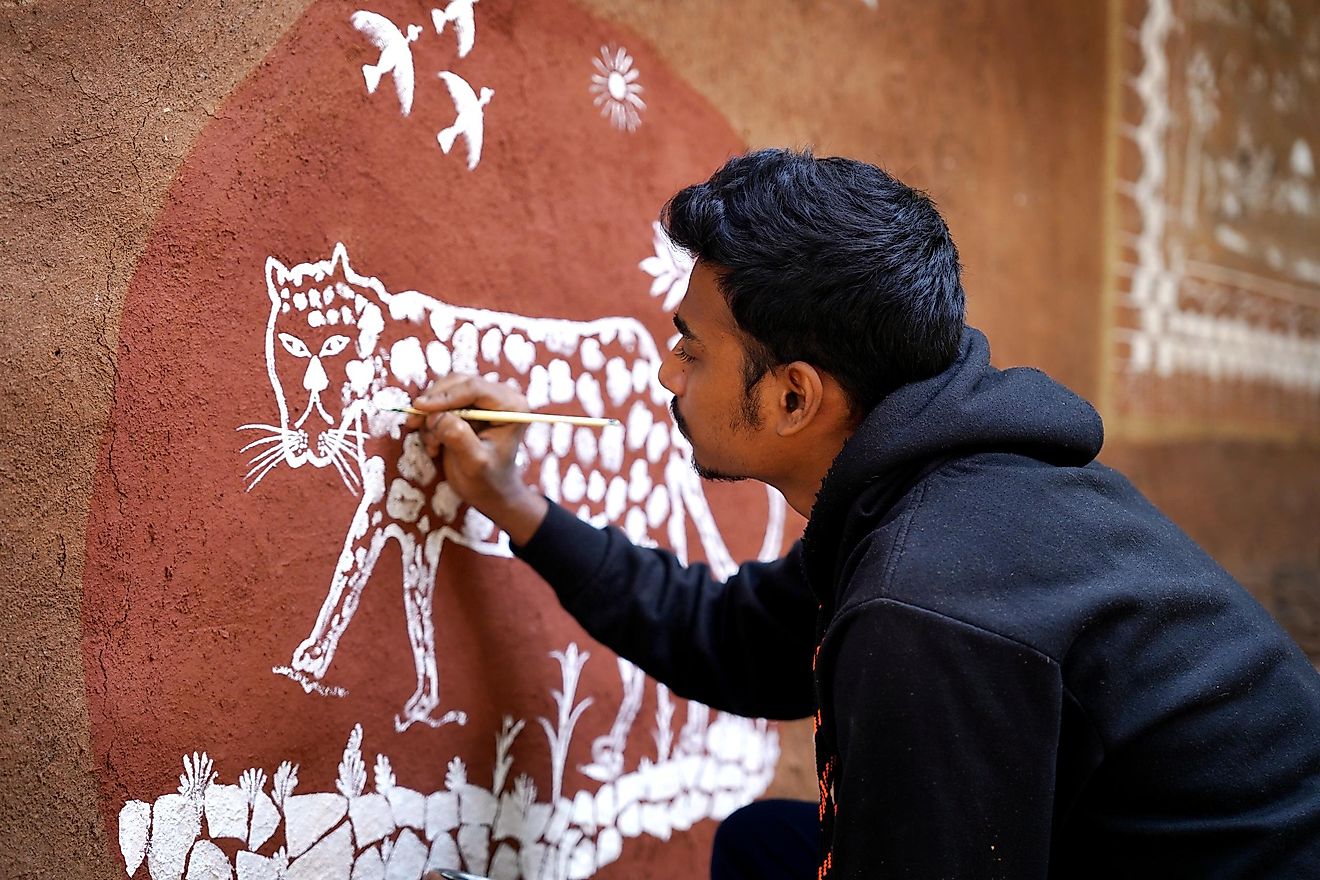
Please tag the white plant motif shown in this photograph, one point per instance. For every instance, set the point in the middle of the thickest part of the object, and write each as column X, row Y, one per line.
column 398, row 832
column 352, row 770
column 196, row 776
column 503, row 743
column 571, row 662
column 384, row 775
column 286, row 780
column 670, row 269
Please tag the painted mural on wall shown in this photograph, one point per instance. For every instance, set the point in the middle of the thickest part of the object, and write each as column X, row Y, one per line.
column 1218, row 312
column 281, row 592
column 364, row 369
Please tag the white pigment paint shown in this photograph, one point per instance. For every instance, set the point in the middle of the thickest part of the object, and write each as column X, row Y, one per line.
column 670, row 269
column 1169, row 337
column 460, row 13
column 562, row 389
column 1300, row 159
column 407, row 362
column 353, row 383
column 616, row 89
column 469, row 121
column 134, row 828
column 395, row 54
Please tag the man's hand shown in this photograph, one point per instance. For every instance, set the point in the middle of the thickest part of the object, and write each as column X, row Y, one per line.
column 479, row 458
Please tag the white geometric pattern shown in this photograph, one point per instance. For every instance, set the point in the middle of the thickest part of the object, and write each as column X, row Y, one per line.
column 710, row 769
column 1212, row 318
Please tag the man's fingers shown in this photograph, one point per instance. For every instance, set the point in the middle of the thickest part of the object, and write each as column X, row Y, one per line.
column 457, row 435
column 457, row 391
column 430, row 443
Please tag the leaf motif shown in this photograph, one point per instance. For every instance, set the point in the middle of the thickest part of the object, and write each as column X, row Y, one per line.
column 352, row 770
column 456, row 778
column 286, row 780
column 503, row 742
column 524, row 792
column 197, row 776
column 252, row 781
column 384, row 775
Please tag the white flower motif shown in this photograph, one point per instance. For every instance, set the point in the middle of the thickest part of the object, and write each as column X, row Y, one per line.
column 670, row 269
column 616, row 88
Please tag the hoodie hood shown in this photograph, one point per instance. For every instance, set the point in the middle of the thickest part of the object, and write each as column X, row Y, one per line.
column 971, row 407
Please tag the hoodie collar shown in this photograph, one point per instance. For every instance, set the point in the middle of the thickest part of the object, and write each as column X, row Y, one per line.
column 970, row 407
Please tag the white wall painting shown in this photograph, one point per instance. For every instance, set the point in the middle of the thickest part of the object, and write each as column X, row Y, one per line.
column 396, row 59
column 670, row 268
column 1203, row 317
column 341, row 350
column 470, row 119
column 461, row 14
column 616, row 89
column 395, row 56
column 506, row 831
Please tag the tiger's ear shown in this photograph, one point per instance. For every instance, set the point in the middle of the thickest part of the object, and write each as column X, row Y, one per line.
column 277, row 275
column 339, row 262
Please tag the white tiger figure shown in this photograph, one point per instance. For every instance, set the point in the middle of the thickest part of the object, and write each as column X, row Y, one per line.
column 341, row 350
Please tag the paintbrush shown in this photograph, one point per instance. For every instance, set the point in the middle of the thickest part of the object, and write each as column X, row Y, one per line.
column 496, row 417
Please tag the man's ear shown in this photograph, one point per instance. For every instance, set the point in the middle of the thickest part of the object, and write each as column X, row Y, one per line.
column 799, row 394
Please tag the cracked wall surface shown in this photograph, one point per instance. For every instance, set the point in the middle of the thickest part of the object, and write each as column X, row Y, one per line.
column 997, row 109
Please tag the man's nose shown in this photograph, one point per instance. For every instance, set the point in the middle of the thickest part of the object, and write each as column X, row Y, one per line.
column 670, row 374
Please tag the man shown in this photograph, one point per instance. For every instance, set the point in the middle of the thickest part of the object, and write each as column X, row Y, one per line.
column 1017, row 666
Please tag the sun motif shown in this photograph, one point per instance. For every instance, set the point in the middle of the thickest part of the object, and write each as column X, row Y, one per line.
column 616, row 89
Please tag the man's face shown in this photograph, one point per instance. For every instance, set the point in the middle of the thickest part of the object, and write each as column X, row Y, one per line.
column 704, row 370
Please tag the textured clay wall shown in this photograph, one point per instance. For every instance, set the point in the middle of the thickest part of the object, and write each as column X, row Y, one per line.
column 1210, row 374
column 194, row 193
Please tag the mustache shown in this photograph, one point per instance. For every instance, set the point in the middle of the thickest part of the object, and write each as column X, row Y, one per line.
column 678, row 418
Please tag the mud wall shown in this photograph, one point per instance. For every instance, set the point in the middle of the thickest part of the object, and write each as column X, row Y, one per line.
column 178, row 172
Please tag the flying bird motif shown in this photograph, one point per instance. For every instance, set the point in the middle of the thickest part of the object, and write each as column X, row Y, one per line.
column 395, row 56
column 470, row 120
column 460, row 13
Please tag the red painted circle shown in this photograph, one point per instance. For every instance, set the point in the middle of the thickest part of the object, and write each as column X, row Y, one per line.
column 194, row 587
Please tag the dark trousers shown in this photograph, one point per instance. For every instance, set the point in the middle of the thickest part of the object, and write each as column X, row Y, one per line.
column 767, row 839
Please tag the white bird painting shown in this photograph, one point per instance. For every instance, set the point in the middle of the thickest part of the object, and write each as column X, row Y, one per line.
column 470, row 120
column 460, row 13
column 395, row 55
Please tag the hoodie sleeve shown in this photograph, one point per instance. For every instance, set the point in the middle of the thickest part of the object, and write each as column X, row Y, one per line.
column 742, row 646
column 947, row 736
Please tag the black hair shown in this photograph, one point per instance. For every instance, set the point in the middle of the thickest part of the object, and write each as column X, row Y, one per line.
column 829, row 261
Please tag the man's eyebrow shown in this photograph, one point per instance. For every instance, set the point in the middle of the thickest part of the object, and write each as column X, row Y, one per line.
column 684, row 328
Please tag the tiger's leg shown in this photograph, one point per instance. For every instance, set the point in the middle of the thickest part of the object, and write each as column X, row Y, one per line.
column 362, row 547
column 692, row 738
column 607, row 750
column 677, row 470
column 420, row 564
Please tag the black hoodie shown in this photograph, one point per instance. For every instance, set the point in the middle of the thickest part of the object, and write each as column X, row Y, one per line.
column 1019, row 668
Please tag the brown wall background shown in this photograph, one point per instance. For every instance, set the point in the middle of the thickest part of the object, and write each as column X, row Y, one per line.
column 1000, row 110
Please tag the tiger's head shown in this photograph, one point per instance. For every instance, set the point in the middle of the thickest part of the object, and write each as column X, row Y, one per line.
column 322, row 337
